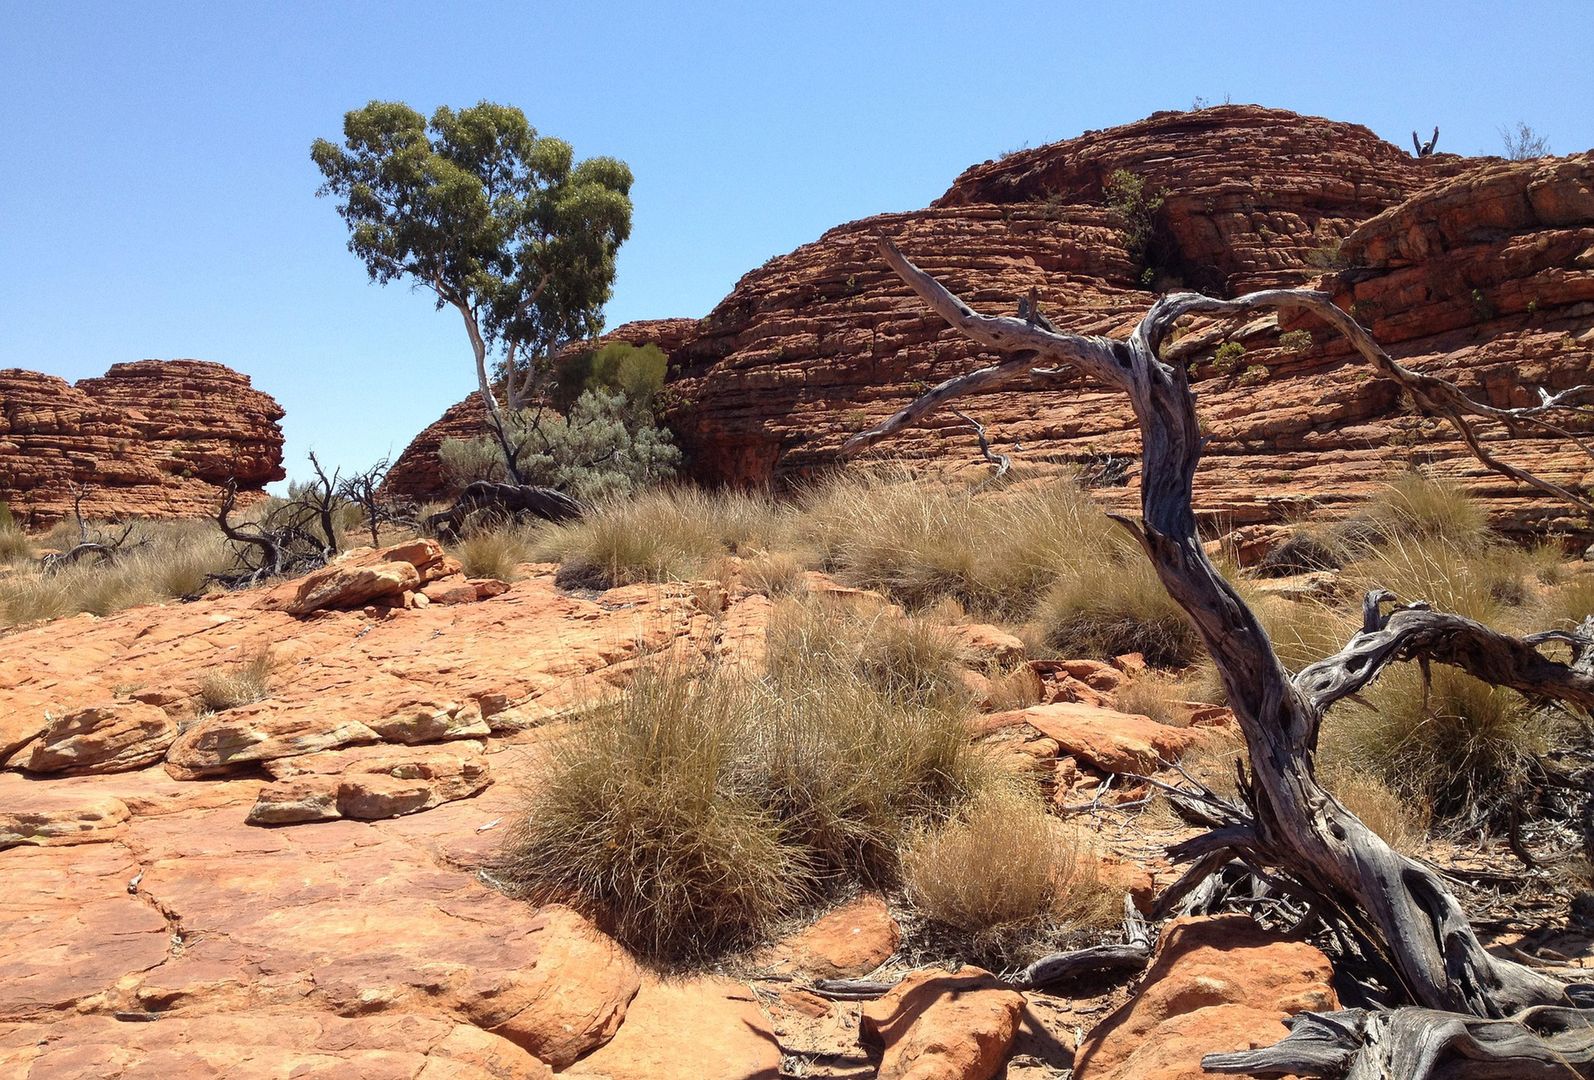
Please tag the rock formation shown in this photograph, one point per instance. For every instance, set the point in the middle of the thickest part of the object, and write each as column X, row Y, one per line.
column 1474, row 268
column 153, row 438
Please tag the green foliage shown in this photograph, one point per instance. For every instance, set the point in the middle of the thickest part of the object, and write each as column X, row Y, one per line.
column 604, row 448
column 475, row 205
column 1228, row 357
column 1296, row 341
column 1254, row 375
column 1329, row 256
column 1137, row 210
column 617, row 368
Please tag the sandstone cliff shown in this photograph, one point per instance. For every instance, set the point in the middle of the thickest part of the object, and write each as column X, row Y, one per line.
column 1461, row 267
column 154, row 438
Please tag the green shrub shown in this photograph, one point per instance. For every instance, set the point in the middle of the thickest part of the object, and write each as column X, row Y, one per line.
column 1137, row 210
column 1228, row 358
column 1296, row 341
column 618, row 368
column 604, row 447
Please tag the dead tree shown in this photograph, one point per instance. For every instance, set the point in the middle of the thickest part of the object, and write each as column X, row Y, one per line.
column 509, row 500
column 91, row 543
column 1469, row 1013
column 364, row 489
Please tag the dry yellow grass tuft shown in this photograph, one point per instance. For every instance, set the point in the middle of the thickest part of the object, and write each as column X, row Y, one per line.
column 1003, row 872
column 244, row 684
column 694, row 812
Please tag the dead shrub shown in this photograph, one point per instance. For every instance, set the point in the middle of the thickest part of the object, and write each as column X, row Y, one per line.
column 1400, row 821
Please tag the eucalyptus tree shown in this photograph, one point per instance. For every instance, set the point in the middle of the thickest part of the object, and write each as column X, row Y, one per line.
column 496, row 221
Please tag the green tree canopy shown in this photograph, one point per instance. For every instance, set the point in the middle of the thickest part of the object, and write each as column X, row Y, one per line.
column 500, row 223
column 637, row 371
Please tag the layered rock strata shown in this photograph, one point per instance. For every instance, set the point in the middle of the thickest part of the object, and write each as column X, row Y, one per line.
column 152, row 438
column 1475, row 269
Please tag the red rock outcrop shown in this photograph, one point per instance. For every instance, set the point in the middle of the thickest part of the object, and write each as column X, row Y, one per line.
column 153, row 438
column 819, row 343
column 1215, row 985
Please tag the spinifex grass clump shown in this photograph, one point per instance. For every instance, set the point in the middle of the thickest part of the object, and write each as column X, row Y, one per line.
column 158, row 561
column 1118, row 606
column 1003, row 874
column 817, row 640
column 666, row 534
column 919, row 541
column 1455, row 744
column 241, row 684
column 693, row 812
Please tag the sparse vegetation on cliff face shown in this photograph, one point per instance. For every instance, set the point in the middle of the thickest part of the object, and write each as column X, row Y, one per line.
column 1137, row 207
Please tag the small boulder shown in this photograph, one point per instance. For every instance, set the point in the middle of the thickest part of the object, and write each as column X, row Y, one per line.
column 42, row 815
column 852, row 940
column 939, row 1026
column 1215, row 985
column 1108, row 740
column 113, row 737
column 704, row 1028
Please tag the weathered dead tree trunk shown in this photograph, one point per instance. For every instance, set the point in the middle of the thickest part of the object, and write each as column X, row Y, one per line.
column 1397, row 910
column 509, row 500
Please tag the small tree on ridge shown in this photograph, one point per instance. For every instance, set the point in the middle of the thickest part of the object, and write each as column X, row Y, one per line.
column 498, row 222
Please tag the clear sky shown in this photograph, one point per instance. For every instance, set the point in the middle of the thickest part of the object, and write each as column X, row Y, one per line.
column 157, row 196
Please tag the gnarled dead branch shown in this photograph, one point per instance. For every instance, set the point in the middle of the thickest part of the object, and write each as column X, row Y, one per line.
column 509, row 500
column 1396, row 910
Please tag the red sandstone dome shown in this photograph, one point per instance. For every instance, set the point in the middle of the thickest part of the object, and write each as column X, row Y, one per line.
column 1477, row 269
column 153, row 438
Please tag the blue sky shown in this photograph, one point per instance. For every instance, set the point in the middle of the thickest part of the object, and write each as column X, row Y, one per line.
column 157, row 197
